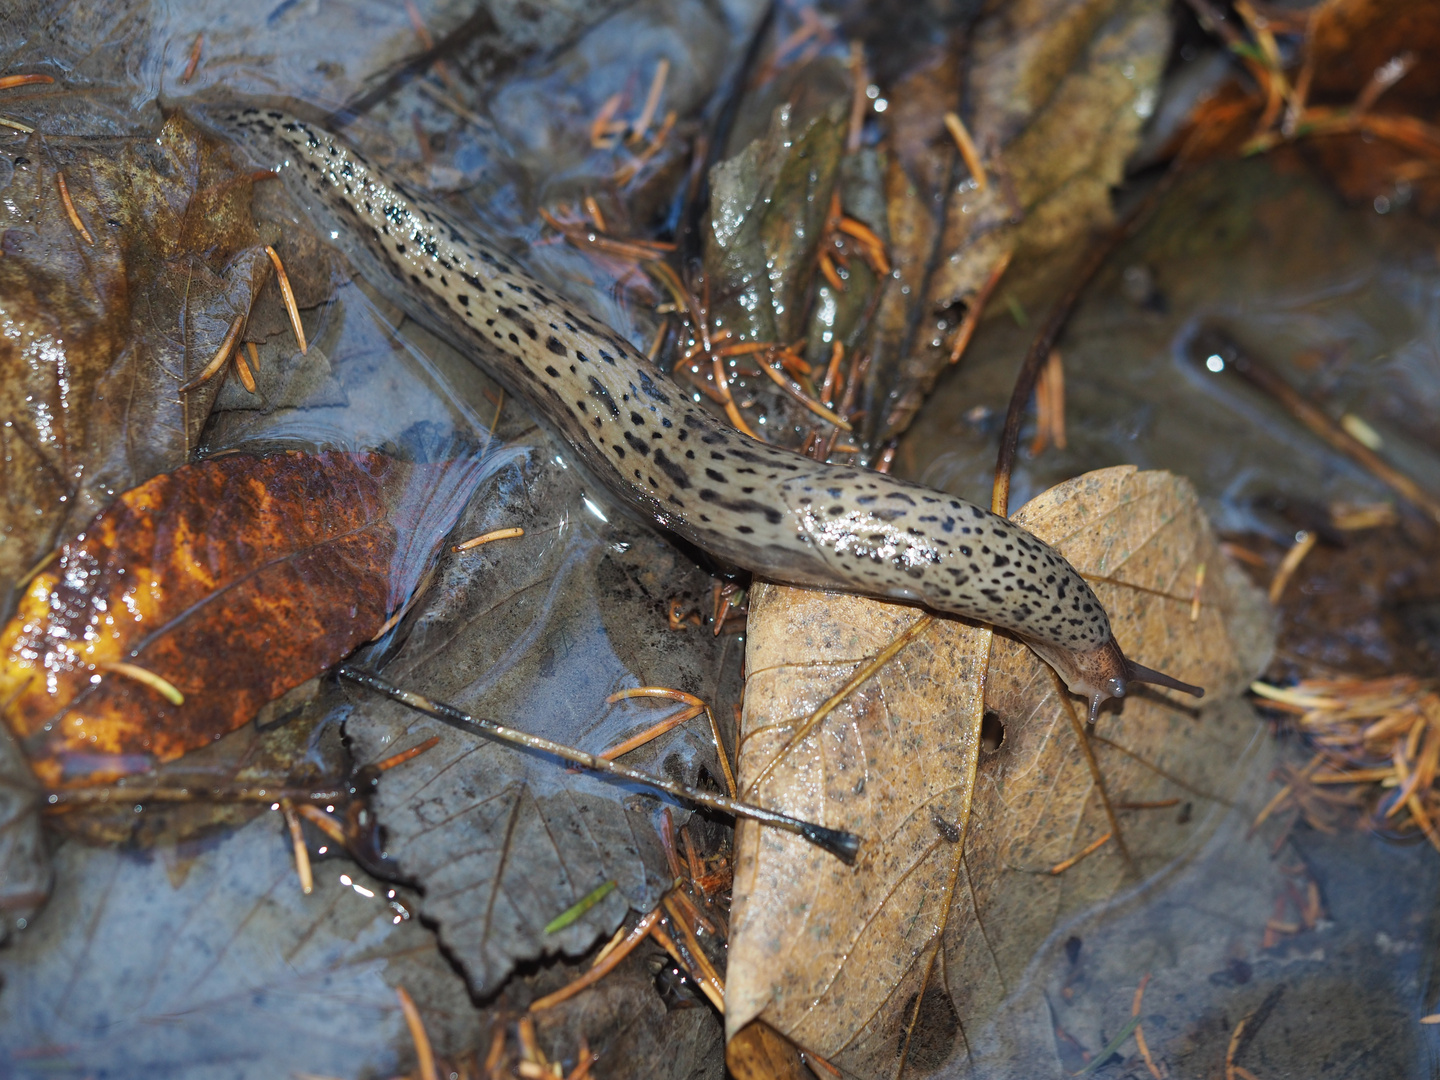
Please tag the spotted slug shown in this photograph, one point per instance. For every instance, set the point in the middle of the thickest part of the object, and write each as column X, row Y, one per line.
column 786, row 517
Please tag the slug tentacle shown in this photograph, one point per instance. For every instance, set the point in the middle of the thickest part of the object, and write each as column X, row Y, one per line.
column 784, row 516
column 1141, row 673
column 1103, row 672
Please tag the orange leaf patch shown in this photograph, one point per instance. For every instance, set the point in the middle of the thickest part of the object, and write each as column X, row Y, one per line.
column 232, row 580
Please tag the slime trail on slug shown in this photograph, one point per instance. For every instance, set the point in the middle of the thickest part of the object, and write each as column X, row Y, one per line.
column 786, row 517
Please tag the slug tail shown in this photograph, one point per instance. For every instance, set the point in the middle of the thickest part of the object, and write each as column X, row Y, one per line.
column 1141, row 673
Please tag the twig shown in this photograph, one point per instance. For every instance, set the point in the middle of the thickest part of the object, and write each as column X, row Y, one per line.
column 1212, row 343
column 843, row 845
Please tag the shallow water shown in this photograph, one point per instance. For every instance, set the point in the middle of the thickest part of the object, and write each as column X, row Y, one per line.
column 1261, row 248
column 1345, row 303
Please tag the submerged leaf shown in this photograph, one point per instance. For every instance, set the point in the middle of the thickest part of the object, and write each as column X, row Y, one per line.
column 230, row 581
column 535, row 631
column 952, row 894
column 208, row 961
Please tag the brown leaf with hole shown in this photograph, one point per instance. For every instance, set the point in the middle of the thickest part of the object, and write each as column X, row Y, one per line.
column 952, row 893
column 232, row 580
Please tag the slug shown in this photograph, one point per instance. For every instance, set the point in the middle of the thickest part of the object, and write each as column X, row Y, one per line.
column 786, row 517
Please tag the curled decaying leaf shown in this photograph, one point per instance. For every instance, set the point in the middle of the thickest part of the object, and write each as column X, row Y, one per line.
column 232, row 580
column 939, row 916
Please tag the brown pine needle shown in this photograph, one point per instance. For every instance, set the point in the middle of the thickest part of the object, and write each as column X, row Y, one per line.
column 497, row 534
column 977, row 307
column 678, row 918
column 254, row 356
column 827, row 269
column 288, row 293
column 873, row 245
column 858, row 101
column 588, row 239
column 394, row 620
column 1054, row 377
column 830, row 386
column 24, row 129
column 582, row 1063
column 326, row 823
column 652, row 101
column 654, row 692
column 194, row 63
column 8, row 82
column 966, row 146
column 602, row 967
column 664, row 940
column 742, row 348
column 139, row 674
column 1259, row 1015
column 424, row 1055
column 417, row 24
column 1323, row 425
column 732, row 410
column 796, row 391
column 593, row 209
column 600, row 134
column 650, row 734
column 70, row 208
column 529, row 1048
column 631, row 169
column 221, row 355
column 406, row 755
column 242, row 369
column 721, row 753
column 34, row 571
column 610, row 946
column 1042, row 413
column 1089, row 849
column 861, row 676
column 302, row 853
column 497, row 1051
column 1288, row 565
column 1140, row 1030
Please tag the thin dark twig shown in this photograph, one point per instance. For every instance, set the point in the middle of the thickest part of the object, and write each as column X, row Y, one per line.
column 843, row 845
column 480, row 23
column 1044, row 340
column 729, row 97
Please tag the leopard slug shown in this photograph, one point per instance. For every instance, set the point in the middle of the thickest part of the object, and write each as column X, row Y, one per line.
column 787, row 517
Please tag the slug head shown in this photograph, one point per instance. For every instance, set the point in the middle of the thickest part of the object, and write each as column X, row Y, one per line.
column 1102, row 672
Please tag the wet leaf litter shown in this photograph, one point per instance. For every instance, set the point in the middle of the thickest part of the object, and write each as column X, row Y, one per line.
column 523, row 1047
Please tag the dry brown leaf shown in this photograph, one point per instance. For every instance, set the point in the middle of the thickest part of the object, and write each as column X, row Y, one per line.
column 844, row 961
